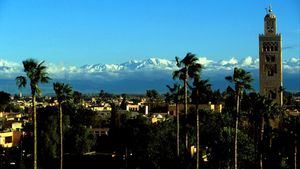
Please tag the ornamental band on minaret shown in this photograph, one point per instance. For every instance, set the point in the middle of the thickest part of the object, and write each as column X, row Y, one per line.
column 270, row 60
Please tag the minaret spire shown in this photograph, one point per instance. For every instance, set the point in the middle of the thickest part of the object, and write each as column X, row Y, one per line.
column 270, row 9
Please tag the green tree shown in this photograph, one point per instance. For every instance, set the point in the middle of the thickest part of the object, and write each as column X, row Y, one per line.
column 201, row 91
column 4, row 100
column 115, row 122
column 77, row 97
column 161, row 152
column 48, row 137
column 216, row 97
column 242, row 81
column 124, row 102
column 78, row 133
column 176, row 95
column 188, row 68
column 80, row 139
column 289, row 138
column 36, row 73
column 263, row 108
column 104, row 96
column 63, row 92
column 152, row 98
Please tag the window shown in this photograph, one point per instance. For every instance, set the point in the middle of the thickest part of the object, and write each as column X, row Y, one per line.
column 270, row 72
column 270, row 69
column 272, row 94
column 268, row 58
column 265, row 47
column 272, row 58
column 103, row 133
column 8, row 139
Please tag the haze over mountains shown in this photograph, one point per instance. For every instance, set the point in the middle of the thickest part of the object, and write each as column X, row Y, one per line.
column 136, row 76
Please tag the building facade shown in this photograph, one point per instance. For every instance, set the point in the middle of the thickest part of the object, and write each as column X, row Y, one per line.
column 270, row 60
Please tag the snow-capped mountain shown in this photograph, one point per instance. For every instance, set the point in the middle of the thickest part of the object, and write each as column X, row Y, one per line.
column 291, row 65
column 139, row 75
column 133, row 65
column 101, row 68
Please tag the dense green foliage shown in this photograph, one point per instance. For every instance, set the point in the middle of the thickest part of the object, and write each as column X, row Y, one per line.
column 4, row 100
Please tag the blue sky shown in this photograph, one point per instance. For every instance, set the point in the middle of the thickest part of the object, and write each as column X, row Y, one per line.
column 82, row 32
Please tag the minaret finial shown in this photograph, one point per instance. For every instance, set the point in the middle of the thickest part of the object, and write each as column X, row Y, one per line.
column 270, row 9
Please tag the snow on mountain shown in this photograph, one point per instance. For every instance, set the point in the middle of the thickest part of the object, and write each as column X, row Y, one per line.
column 291, row 65
column 154, row 64
column 133, row 65
column 139, row 75
column 101, row 68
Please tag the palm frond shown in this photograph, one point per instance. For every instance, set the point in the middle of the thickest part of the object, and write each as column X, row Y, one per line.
column 178, row 63
column 38, row 90
column 29, row 65
column 21, row 81
column 62, row 91
column 229, row 78
column 176, row 74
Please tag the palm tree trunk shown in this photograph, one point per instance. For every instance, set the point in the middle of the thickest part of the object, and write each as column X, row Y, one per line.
column 185, row 113
column 34, row 132
column 255, row 140
column 295, row 144
column 198, row 138
column 61, row 136
column 262, row 130
column 295, row 155
column 178, row 127
column 236, row 131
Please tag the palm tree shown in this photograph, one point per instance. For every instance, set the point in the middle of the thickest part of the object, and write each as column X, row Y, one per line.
column 152, row 98
column 176, row 92
column 264, row 107
column 36, row 73
column 63, row 92
column 188, row 68
column 201, row 90
column 242, row 81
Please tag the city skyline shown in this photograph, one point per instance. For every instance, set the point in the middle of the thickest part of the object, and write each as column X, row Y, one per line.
column 90, row 32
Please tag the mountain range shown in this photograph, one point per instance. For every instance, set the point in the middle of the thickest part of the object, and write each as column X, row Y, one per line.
column 136, row 76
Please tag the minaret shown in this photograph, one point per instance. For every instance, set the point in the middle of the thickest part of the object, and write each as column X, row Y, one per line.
column 270, row 60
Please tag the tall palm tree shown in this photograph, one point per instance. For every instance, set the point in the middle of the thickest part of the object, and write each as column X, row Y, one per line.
column 201, row 89
column 242, row 81
column 152, row 98
column 188, row 68
column 36, row 73
column 264, row 108
column 63, row 92
column 176, row 93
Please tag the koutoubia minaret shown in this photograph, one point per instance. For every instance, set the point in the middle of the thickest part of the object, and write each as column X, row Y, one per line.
column 270, row 60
